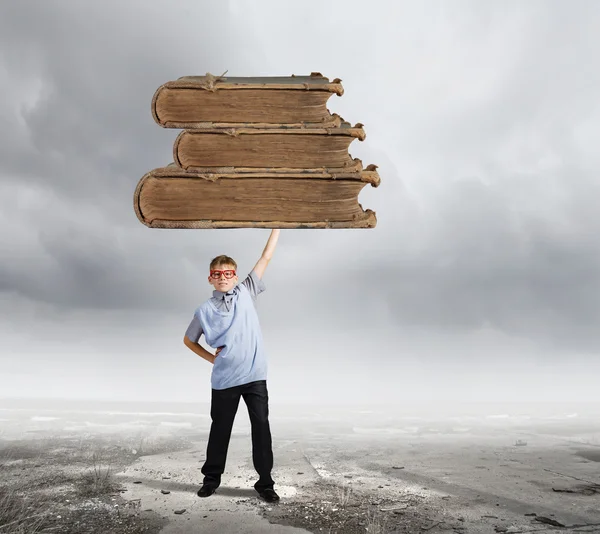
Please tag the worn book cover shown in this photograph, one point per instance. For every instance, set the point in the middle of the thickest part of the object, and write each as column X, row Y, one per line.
column 169, row 197
column 210, row 101
column 262, row 148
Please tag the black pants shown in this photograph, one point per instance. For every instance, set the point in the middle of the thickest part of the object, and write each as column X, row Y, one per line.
column 224, row 405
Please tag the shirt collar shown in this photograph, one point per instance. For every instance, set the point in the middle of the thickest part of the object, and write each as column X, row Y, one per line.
column 219, row 295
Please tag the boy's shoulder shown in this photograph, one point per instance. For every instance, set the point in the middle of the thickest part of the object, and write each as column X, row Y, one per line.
column 253, row 284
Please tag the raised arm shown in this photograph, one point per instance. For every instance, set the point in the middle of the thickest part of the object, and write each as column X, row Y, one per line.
column 267, row 254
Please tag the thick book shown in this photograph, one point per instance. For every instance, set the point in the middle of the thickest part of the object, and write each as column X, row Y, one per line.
column 263, row 148
column 169, row 197
column 209, row 101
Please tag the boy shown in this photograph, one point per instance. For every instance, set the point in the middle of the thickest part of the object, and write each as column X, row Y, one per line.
column 229, row 321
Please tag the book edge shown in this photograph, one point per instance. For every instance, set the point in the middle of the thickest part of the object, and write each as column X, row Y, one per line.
column 368, row 174
column 367, row 220
column 356, row 166
column 334, row 88
column 205, row 84
column 356, row 131
column 335, row 121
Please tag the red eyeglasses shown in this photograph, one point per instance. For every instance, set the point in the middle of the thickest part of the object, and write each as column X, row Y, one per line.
column 216, row 274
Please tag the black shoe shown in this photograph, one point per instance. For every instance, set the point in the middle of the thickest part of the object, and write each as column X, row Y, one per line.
column 206, row 491
column 269, row 495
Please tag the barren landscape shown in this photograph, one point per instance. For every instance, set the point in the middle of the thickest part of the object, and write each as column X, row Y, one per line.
column 128, row 469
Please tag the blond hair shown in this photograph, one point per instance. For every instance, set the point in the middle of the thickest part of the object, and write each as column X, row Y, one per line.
column 222, row 260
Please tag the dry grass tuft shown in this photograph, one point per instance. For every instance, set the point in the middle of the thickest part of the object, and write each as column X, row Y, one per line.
column 18, row 515
column 344, row 495
column 98, row 480
column 375, row 523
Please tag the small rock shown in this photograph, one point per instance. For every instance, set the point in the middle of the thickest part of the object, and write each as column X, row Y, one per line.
column 300, row 473
column 165, row 492
column 397, row 467
column 138, row 482
column 532, row 514
column 179, row 512
column 548, row 521
column 347, row 476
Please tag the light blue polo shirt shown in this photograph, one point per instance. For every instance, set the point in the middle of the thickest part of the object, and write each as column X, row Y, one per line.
column 229, row 320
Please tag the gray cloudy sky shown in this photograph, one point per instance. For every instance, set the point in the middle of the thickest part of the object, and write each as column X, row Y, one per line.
column 481, row 280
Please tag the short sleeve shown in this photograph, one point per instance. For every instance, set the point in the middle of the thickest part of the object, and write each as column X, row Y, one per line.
column 194, row 330
column 254, row 284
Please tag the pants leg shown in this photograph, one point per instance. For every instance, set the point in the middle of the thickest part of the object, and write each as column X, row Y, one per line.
column 256, row 398
column 224, row 405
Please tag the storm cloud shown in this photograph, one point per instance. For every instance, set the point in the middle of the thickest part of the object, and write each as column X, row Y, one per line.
column 483, row 119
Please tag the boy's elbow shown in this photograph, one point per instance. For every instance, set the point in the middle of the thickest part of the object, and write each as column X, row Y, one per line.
column 189, row 343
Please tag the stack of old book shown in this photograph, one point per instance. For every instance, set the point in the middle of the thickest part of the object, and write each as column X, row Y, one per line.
column 255, row 152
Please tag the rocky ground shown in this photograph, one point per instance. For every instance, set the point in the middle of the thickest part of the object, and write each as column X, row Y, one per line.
column 67, row 484
column 328, row 507
column 331, row 480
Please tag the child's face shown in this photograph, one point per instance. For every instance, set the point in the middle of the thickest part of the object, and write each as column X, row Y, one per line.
column 222, row 283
